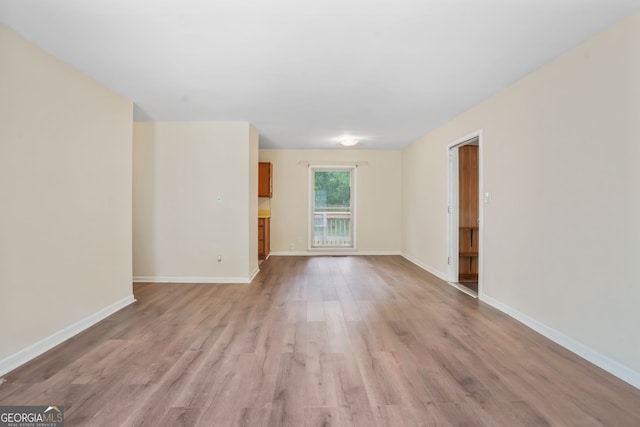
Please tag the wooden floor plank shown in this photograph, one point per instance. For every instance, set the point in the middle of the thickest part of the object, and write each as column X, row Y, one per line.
column 319, row 341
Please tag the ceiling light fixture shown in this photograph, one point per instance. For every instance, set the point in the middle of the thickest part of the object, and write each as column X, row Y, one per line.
column 349, row 142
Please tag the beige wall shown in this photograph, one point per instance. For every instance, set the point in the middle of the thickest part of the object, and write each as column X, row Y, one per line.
column 378, row 186
column 65, row 190
column 254, row 142
column 561, row 150
column 194, row 199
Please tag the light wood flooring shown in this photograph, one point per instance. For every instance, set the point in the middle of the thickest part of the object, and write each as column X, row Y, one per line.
column 319, row 341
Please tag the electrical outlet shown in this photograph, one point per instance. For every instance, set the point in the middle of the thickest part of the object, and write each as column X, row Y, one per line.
column 292, row 246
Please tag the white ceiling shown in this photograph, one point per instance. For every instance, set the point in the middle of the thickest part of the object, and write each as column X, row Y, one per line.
column 307, row 71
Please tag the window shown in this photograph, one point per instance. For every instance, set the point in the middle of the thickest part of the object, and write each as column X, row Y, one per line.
column 332, row 202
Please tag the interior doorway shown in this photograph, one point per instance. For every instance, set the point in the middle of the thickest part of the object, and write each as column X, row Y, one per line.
column 465, row 236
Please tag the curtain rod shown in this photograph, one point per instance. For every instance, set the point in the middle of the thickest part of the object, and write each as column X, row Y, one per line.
column 331, row 163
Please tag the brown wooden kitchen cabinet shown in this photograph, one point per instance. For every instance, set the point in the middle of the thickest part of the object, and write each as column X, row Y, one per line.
column 264, row 237
column 265, row 179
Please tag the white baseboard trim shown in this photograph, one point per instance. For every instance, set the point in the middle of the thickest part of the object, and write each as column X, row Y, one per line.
column 193, row 279
column 614, row 367
column 255, row 273
column 10, row 363
column 426, row 267
column 464, row 289
column 335, row 253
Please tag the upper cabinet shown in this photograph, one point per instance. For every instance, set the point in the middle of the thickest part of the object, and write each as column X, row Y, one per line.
column 265, row 179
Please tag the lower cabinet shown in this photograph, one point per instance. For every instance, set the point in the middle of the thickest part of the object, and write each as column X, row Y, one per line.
column 264, row 237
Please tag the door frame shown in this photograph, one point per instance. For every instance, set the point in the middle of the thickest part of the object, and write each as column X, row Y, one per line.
column 453, row 211
column 353, row 169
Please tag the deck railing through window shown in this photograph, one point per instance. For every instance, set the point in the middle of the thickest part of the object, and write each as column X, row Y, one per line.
column 332, row 228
